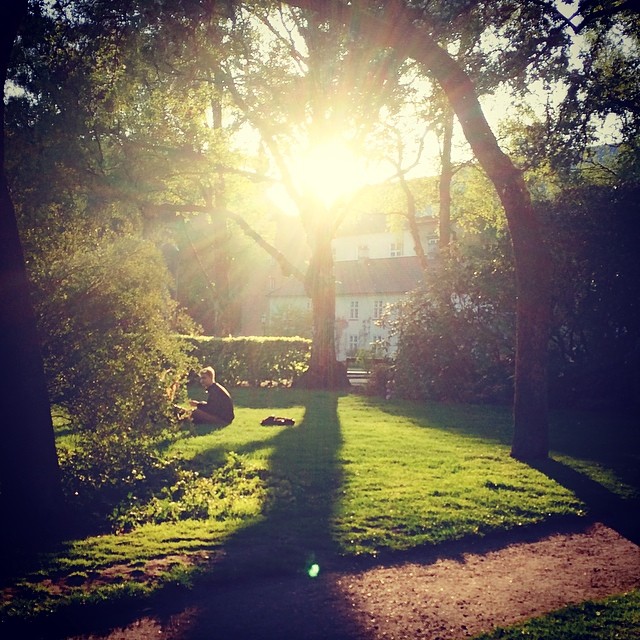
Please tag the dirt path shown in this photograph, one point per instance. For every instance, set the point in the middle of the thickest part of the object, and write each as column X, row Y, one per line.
column 452, row 593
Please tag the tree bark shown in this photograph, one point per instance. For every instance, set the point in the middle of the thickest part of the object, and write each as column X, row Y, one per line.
column 324, row 372
column 228, row 311
column 31, row 494
column 396, row 28
column 414, row 229
column 531, row 256
column 224, row 322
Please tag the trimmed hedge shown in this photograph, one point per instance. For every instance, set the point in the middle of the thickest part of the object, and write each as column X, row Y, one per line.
column 255, row 361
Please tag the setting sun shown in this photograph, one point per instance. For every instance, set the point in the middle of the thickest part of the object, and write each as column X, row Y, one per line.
column 328, row 171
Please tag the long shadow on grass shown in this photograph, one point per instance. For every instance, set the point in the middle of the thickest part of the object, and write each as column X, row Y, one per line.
column 305, row 472
column 270, row 582
column 603, row 505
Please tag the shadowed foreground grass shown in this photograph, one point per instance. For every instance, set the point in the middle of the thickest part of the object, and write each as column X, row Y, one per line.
column 355, row 476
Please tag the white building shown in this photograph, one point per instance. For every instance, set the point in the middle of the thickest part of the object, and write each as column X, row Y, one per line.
column 373, row 268
column 365, row 291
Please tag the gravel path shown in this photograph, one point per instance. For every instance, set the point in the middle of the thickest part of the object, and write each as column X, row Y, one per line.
column 449, row 593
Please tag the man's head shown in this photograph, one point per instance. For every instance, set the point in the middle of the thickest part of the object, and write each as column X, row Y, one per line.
column 207, row 376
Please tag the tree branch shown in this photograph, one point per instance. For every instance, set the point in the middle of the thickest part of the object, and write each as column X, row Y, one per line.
column 287, row 267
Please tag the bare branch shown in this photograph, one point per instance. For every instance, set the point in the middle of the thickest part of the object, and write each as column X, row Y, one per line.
column 168, row 208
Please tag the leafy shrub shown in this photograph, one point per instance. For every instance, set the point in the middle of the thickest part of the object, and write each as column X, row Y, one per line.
column 236, row 490
column 456, row 336
column 107, row 466
column 380, row 380
column 107, row 323
column 111, row 354
column 593, row 236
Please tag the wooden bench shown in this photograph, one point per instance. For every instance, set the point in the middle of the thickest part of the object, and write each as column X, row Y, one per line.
column 358, row 377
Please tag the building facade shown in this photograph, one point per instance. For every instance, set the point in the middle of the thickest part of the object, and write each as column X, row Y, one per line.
column 374, row 269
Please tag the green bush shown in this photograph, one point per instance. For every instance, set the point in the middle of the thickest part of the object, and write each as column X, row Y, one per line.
column 236, row 490
column 593, row 236
column 456, row 335
column 111, row 353
column 256, row 361
column 106, row 467
column 380, row 379
column 107, row 322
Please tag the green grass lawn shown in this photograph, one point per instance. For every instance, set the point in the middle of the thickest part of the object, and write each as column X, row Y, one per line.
column 354, row 476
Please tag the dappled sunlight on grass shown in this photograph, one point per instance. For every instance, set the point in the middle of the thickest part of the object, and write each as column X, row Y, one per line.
column 150, row 541
column 354, row 476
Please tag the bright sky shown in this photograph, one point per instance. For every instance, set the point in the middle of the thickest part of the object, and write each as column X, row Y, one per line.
column 330, row 171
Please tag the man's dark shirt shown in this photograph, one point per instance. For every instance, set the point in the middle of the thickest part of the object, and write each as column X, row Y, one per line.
column 219, row 403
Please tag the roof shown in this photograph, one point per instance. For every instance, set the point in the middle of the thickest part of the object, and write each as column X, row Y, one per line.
column 377, row 222
column 384, row 275
column 367, row 277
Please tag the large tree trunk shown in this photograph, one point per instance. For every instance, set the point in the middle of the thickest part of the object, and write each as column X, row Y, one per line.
column 532, row 259
column 396, row 28
column 30, row 489
column 324, row 371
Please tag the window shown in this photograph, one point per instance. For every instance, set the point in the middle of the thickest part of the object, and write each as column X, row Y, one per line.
column 353, row 311
column 378, row 307
column 397, row 249
column 353, row 344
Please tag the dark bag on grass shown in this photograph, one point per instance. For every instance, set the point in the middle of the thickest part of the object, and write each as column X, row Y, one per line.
column 277, row 421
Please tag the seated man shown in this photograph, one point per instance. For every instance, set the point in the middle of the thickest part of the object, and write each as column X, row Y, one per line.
column 218, row 408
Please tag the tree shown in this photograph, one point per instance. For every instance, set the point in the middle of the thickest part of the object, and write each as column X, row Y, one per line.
column 455, row 334
column 409, row 31
column 31, row 494
column 446, row 177
column 584, row 190
column 594, row 239
column 290, row 320
column 412, row 39
column 412, row 32
column 322, row 86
